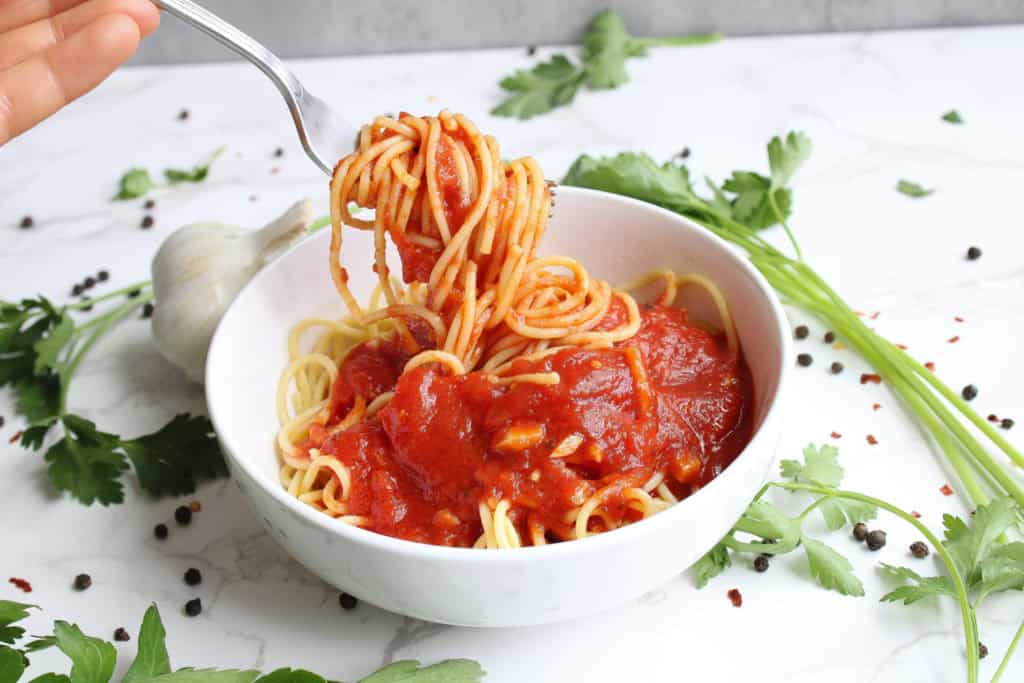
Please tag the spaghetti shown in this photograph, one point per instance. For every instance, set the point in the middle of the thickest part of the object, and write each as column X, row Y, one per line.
column 493, row 398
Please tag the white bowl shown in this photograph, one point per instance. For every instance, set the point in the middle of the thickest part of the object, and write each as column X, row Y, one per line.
column 617, row 239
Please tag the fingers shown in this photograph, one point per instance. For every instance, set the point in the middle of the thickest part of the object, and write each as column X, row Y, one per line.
column 22, row 12
column 42, row 84
column 21, row 43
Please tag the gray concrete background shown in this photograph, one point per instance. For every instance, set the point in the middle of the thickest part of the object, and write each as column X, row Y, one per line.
column 317, row 28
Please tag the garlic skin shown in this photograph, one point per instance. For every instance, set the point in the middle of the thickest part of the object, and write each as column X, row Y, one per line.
column 198, row 271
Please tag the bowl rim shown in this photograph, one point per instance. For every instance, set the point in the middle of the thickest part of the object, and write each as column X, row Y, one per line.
column 593, row 543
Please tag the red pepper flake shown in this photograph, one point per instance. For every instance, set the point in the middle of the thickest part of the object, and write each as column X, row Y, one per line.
column 901, row 347
column 915, row 514
column 874, row 316
column 836, row 435
column 195, row 506
column 275, row 170
column 872, row 440
column 930, row 365
column 876, row 406
column 954, row 339
column 946, row 489
column 993, row 418
column 870, row 377
column 21, row 583
column 735, row 597
column 958, row 319
column 17, row 435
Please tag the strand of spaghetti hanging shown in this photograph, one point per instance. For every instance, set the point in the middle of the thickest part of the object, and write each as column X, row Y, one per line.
column 467, row 224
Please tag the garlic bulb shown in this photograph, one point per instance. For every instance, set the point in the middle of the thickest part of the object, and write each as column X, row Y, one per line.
column 200, row 268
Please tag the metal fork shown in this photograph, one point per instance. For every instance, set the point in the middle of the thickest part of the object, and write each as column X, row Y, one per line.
column 325, row 136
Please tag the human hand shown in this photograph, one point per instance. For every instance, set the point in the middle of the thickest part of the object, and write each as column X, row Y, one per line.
column 54, row 51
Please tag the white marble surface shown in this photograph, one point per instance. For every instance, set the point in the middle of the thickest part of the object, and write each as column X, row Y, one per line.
column 871, row 103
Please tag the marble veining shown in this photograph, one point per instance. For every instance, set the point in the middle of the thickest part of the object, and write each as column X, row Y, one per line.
column 870, row 102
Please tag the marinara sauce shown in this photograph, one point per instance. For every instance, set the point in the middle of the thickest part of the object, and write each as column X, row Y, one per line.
column 422, row 465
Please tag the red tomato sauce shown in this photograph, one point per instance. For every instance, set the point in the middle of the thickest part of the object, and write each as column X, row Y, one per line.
column 444, row 443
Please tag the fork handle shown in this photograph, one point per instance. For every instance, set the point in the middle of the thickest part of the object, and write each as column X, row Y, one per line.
column 266, row 61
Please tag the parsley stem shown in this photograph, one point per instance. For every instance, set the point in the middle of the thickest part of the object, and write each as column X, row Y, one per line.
column 785, row 226
column 966, row 611
column 1009, row 654
column 108, row 321
column 86, row 303
column 680, row 41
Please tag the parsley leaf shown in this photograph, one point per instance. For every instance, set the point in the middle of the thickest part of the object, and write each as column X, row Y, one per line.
column 171, row 460
column 786, row 156
column 86, row 463
column 51, row 678
column 821, row 466
column 969, row 546
column 291, row 676
column 832, row 570
column 409, row 671
column 606, row 47
column 196, row 175
column 135, row 183
column 12, row 664
column 546, row 86
column 952, row 116
column 152, row 658
column 912, row 189
column 92, row 659
column 713, row 563
column 11, row 613
column 920, row 587
column 668, row 185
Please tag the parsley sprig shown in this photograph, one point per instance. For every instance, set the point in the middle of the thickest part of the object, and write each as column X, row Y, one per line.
column 41, row 348
column 606, row 47
column 977, row 564
column 137, row 182
column 93, row 659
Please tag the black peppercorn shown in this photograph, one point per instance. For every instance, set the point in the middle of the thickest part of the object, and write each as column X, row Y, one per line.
column 969, row 392
column 801, row 332
column 685, row 153
column 147, row 222
column 1006, row 423
column 919, row 549
column 830, row 337
column 973, row 254
column 761, row 564
column 804, row 359
column 2, row 420
column 27, row 222
column 150, row 203
column 134, row 293
column 860, row 531
column 531, row 50
column 193, row 607
column 183, row 515
column 348, row 601
column 193, row 577
column 82, row 582
column 121, row 635
column 76, row 290
column 876, row 539
column 89, row 283
column 982, row 651
column 279, row 152
column 103, row 276
column 160, row 531
column 183, row 115
column 147, row 310
column 836, row 368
